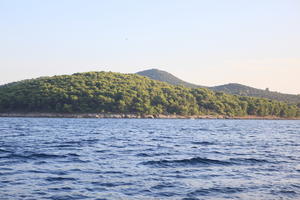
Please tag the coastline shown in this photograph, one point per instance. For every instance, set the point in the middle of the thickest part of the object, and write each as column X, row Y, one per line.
column 138, row 116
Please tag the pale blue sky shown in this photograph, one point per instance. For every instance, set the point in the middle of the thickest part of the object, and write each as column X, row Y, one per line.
column 254, row 42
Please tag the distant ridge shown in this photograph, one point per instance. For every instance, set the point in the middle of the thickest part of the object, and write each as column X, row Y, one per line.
column 159, row 75
column 231, row 88
column 243, row 90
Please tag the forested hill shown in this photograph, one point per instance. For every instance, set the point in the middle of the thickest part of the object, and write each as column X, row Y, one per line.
column 164, row 76
column 108, row 92
column 232, row 88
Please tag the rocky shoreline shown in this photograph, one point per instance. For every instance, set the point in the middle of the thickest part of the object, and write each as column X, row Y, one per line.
column 136, row 116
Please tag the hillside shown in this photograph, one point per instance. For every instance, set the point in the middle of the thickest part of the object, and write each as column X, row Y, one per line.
column 108, row 92
column 164, row 76
column 232, row 88
column 238, row 89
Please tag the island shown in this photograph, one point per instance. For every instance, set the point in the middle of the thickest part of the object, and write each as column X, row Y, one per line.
column 117, row 95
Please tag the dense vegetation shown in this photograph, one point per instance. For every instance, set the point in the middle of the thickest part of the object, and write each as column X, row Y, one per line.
column 108, row 92
column 232, row 88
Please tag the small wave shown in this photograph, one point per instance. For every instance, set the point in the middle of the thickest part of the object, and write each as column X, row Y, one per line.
column 284, row 192
column 4, row 151
column 10, row 173
column 52, row 179
column 203, row 143
column 6, row 168
column 162, row 186
column 35, row 156
column 44, row 155
column 102, row 151
column 60, row 173
column 68, row 197
column 143, row 155
column 249, row 160
column 287, row 192
column 191, row 161
column 62, row 145
column 112, row 172
column 40, row 162
column 60, row 189
column 151, row 155
column 74, row 160
column 36, row 171
column 81, row 142
column 207, row 161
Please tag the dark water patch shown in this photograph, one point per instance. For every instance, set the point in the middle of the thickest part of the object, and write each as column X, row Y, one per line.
column 73, row 154
column 40, row 162
column 295, row 186
column 60, row 189
column 216, row 190
column 289, row 192
column 102, row 151
column 90, row 141
column 204, row 143
column 60, row 179
column 5, row 181
column 111, row 184
column 60, row 173
column 62, row 146
column 36, row 171
column 5, row 169
column 144, row 155
column 75, row 170
column 112, row 172
column 117, row 146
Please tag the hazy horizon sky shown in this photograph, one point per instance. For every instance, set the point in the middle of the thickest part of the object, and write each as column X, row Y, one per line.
column 256, row 43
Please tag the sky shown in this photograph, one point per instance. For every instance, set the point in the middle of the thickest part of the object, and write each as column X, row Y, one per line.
column 252, row 42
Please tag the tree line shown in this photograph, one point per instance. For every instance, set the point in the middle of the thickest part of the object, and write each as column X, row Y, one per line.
column 108, row 92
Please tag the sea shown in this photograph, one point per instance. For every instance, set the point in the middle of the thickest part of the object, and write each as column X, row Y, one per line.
column 61, row 159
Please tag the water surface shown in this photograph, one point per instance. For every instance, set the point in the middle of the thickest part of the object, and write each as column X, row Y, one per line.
column 44, row 158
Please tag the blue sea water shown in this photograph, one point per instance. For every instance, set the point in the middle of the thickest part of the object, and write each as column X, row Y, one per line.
column 43, row 158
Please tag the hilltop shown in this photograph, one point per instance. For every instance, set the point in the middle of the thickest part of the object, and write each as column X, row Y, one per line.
column 231, row 88
column 167, row 77
column 108, row 92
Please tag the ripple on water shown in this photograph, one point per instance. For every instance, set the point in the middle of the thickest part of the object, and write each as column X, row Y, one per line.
column 187, row 162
